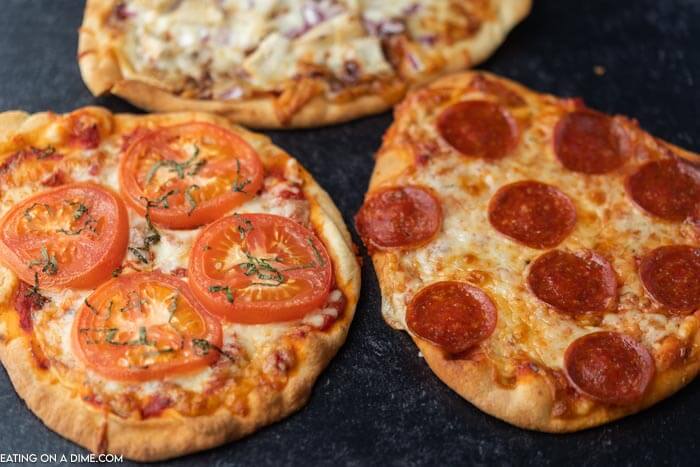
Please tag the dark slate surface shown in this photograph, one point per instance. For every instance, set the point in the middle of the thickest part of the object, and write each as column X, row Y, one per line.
column 378, row 403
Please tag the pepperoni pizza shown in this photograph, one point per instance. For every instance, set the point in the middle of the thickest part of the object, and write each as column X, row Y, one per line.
column 168, row 282
column 544, row 257
column 283, row 63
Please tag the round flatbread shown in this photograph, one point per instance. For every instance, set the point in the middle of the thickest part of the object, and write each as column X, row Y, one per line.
column 287, row 63
column 119, row 335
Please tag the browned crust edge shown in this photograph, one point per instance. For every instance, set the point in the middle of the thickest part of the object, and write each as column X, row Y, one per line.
column 167, row 437
column 529, row 403
column 102, row 73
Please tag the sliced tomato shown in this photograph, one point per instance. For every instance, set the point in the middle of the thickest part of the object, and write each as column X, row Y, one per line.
column 71, row 236
column 189, row 174
column 259, row 268
column 145, row 326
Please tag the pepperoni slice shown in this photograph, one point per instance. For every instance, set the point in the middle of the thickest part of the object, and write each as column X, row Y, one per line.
column 671, row 275
column 399, row 217
column 532, row 213
column 573, row 283
column 453, row 315
column 669, row 189
column 585, row 141
column 609, row 367
column 478, row 129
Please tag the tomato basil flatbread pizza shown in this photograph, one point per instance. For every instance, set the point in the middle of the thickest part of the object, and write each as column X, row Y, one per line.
column 544, row 257
column 283, row 63
column 168, row 282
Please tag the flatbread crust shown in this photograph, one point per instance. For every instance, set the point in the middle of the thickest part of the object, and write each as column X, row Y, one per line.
column 529, row 403
column 105, row 70
column 529, row 400
column 171, row 434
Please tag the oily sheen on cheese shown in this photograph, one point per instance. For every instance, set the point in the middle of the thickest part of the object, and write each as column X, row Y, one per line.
column 272, row 63
column 270, row 41
column 454, row 252
column 101, row 318
column 53, row 328
column 543, row 256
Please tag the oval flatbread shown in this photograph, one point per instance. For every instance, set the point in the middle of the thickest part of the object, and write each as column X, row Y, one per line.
column 283, row 63
column 553, row 280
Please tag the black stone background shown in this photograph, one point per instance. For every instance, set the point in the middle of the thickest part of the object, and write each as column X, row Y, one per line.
column 378, row 403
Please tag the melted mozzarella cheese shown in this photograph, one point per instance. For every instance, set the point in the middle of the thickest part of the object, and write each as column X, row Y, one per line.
column 469, row 249
column 254, row 337
column 173, row 250
column 272, row 41
column 54, row 324
column 8, row 282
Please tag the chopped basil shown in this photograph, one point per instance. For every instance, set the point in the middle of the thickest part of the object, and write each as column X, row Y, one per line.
column 160, row 202
column 108, row 331
column 28, row 211
column 238, row 184
column 245, row 225
column 110, row 336
column 190, row 199
column 38, row 300
column 91, row 307
column 136, row 251
column 143, row 337
column 204, row 347
column 80, row 210
column 44, row 153
column 151, row 237
column 225, row 289
column 134, row 301
column 179, row 168
column 172, row 308
column 262, row 269
column 47, row 262
column 70, row 232
column 197, row 167
column 90, row 224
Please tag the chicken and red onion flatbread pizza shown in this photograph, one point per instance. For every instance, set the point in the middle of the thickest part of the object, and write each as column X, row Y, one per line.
column 168, row 282
column 284, row 63
column 544, row 257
